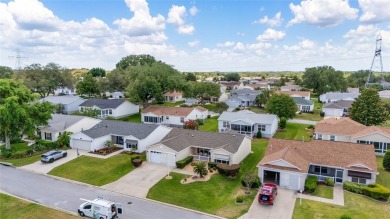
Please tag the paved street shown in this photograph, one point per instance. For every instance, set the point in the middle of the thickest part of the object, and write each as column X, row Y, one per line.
column 66, row 195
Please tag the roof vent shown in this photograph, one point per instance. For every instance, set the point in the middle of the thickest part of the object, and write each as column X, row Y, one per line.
column 192, row 135
column 234, row 135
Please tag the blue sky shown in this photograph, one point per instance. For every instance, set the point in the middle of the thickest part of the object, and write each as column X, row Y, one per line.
column 206, row 35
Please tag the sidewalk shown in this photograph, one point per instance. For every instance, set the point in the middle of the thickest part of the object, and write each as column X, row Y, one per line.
column 338, row 197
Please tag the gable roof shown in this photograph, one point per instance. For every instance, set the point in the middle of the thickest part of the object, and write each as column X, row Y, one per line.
column 67, row 99
column 302, row 101
column 341, row 104
column 103, row 103
column 371, row 130
column 353, row 90
column 172, row 111
column 341, row 126
column 179, row 139
column 172, row 94
column 328, row 153
column 290, row 86
column 108, row 127
column 244, row 91
column 298, row 93
column 248, row 116
column 340, row 95
column 60, row 122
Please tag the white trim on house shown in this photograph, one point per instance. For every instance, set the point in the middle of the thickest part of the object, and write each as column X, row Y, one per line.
column 274, row 162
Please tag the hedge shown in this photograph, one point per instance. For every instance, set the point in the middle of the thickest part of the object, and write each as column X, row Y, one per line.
column 375, row 191
column 353, row 187
column 135, row 157
column 311, row 184
column 227, row 170
column 329, row 182
column 212, row 165
column 182, row 163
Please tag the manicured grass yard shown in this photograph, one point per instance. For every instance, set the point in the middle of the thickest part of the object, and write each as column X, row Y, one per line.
column 22, row 148
column 132, row 118
column 294, row 131
column 172, row 103
column 256, row 109
column 313, row 117
column 216, row 196
column 384, row 176
column 12, row 207
column 356, row 207
column 324, row 191
column 95, row 171
column 210, row 125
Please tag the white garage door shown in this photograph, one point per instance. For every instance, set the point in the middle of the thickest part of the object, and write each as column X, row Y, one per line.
column 289, row 180
column 162, row 158
column 82, row 145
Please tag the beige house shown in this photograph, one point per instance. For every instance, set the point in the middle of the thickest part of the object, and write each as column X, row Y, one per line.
column 203, row 146
column 173, row 96
column 302, row 94
column 346, row 130
column 288, row 163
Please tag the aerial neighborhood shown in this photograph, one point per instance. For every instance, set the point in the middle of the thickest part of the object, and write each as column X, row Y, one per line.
column 217, row 133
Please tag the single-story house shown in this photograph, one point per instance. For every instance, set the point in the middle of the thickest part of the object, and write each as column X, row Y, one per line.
column 288, row 163
column 337, row 108
column 60, row 123
column 353, row 90
column 203, row 146
column 222, row 98
column 117, row 95
column 346, row 130
column 130, row 136
column 115, row 108
column 64, row 91
column 232, row 85
column 248, row 123
column 172, row 116
column 301, row 94
column 245, row 97
column 384, row 94
column 173, row 96
column 290, row 87
column 69, row 104
column 257, row 86
column 303, row 104
column 191, row 101
column 337, row 96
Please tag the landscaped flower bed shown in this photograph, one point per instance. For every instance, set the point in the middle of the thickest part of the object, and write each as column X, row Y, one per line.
column 107, row 150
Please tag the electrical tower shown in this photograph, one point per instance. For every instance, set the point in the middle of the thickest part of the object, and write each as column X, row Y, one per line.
column 18, row 59
column 377, row 60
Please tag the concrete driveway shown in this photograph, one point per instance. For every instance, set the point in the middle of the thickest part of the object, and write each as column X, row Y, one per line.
column 138, row 182
column 283, row 207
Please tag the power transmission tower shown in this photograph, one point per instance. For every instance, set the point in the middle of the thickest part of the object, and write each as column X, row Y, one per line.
column 18, row 59
column 377, row 60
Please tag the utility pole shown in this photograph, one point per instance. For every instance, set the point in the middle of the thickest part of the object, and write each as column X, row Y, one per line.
column 18, row 59
column 377, row 60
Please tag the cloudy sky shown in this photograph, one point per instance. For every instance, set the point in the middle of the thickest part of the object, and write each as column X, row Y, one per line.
column 202, row 35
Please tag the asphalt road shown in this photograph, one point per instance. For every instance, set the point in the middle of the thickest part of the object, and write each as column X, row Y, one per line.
column 66, row 195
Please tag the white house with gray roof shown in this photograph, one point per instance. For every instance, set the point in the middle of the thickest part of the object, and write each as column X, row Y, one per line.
column 60, row 123
column 337, row 108
column 337, row 96
column 243, row 97
column 248, row 123
column 303, row 104
column 69, row 104
column 115, row 108
column 127, row 135
column 204, row 146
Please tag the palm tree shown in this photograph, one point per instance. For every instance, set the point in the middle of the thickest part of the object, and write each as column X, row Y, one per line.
column 263, row 97
column 200, row 168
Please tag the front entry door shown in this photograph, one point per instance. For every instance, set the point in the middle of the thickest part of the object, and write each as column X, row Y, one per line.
column 339, row 176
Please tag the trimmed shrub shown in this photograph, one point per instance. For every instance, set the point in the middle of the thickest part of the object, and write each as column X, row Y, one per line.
column 212, row 165
column 208, row 116
column 136, row 162
column 6, row 153
column 240, row 199
column 227, row 170
column 282, row 123
column 322, row 114
column 29, row 151
column 135, row 157
column 199, row 121
column 311, row 184
column 39, row 147
column 353, row 187
column 18, row 154
column 182, row 163
column 329, row 182
column 344, row 216
column 259, row 134
column 377, row 191
column 386, row 160
column 256, row 184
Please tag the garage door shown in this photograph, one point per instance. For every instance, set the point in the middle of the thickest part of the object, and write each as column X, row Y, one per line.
column 81, row 145
column 289, row 181
column 162, row 158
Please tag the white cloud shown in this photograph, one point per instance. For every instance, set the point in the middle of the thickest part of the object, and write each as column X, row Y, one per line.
column 240, row 34
column 176, row 16
column 271, row 35
column 194, row 11
column 324, row 13
column 193, row 43
column 272, row 22
column 226, row 44
column 239, row 47
column 375, row 11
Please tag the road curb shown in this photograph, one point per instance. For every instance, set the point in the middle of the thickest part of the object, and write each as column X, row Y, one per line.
column 7, row 164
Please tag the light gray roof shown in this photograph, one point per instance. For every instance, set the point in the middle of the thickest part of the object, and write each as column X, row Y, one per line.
column 340, row 96
column 248, row 115
column 179, row 139
column 245, row 91
column 103, row 103
column 61, row 99
column 353, row 90
column 341, row 104
column 302, row 101
column 107, row 127
column 60, row 122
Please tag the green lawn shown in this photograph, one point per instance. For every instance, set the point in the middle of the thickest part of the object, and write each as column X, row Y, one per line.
column 95, row 171
column 22, row 148
column 294, row 131
column 171, row 103
column 356, row 207
column 324, row 191
column 384, row 176
column 12, row 207
column 132, row 118
column 313, row 117
column 210, row 125
column 210, row 107
column 256, row 109
column 216, row 196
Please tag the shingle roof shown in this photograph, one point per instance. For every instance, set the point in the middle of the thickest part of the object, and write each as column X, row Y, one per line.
column 290, row 93
column 245, row 91
column 249, row 115
column 372, row 129
column 61, row 99
column 340, row 95
column 107, row 127
column 341, row 126
column 290, row 86
column 341, row 104
column 171, row 111
column 328, row 153
column 173, row 94
column 60, row 122
column 302, row 101
column 179, row 139
column 103, row 103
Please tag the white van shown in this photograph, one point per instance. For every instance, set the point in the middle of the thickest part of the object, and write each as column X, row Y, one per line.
column 100, row 208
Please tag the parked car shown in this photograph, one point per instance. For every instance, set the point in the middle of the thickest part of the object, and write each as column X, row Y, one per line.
column 267, row 193
column 53, row 155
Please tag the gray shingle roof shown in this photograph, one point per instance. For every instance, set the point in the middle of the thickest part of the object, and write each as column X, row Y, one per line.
column 61, row 99
column 246, row 114
column 302, row 101
column 340, row 96
column 245, row 91
column 341, row 104
column 103, row 103
column 59, row 122
column 179, row 139
column 107, row 127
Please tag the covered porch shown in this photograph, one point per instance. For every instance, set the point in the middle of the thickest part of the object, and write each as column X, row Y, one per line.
column 201, row 154
column 243, row 127
column 323, row 172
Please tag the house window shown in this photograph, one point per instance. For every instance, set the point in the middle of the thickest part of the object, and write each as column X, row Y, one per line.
column 332, row 138
column 319, row 136
column 226, row 124
column 151, row 119
column 182, row 119
column 119, row 140
column 82, row 109
column 306, row 108
column 110, row 111
column 359, row 180
column 317, row 169
column 362, row 142
column 47, row 136
column 324, row 170
column 261, row 128
column 132, row 146
column 166, row 117
column 221, row 161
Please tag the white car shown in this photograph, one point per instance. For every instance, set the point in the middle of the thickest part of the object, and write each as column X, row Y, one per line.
column 53, row 155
